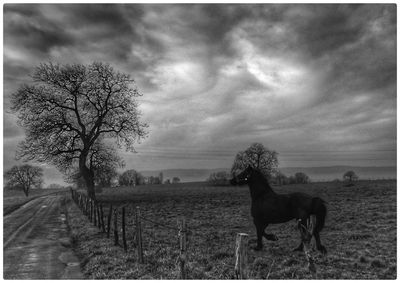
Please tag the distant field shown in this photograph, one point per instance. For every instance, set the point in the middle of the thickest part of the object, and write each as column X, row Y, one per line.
column 13, row 199
column 360, row 233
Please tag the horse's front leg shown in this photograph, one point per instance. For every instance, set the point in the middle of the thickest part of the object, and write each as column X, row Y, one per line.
column 260, row 231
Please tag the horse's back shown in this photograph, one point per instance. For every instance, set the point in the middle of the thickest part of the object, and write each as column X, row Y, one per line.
column 272, row 209
column 301, row 204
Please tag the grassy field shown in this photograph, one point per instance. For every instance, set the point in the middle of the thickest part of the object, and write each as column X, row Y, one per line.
column 360, row 234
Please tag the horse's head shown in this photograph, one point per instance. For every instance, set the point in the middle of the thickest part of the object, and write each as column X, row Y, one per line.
column 243, row 177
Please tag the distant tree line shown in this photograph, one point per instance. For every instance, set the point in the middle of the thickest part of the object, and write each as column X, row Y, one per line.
column 297, row 178
column 219, row 178
column 129, row 178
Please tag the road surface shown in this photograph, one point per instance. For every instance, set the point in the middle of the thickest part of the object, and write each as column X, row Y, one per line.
column 36, row 244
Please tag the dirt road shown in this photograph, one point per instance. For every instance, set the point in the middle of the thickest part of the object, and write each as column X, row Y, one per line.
column 36, row 242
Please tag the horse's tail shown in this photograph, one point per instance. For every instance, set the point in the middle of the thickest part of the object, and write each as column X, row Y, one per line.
column 318, row 208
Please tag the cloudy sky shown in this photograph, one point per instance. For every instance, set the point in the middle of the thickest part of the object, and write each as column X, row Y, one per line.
column 316, row 83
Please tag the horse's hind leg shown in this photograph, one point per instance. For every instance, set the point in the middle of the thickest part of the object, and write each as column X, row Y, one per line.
column 320, row 247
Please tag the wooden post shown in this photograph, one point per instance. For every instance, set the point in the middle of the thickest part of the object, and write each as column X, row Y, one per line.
column 109, row 221
column 182, row 245
column 116, row 227
column 139, row 236
column 98, row 216
column 306, row 233
column 94, row 213
column 102, row 218
column 87, row 206
column 241, row 269
column 91, row 210
column 123, row 230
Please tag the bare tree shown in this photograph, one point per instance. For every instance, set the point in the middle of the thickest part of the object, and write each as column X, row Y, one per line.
column 69, row 108
column 24, row 177
column 259, row 157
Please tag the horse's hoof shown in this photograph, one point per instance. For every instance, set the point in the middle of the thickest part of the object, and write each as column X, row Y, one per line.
column 323, row 250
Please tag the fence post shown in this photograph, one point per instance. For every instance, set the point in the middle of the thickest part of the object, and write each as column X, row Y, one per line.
column 102, row 218
column 123, row 230
column 98, row 216
column 116, row 226
column 94, row 213
column 139, row 236
column 86, row 206
column 91, row 209
column 182, row 244
column 241, row 269
column 306, row 236
column 109, row 221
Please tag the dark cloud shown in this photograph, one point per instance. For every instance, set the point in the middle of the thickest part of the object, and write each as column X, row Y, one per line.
column 221, row 76
column 32, row 31
column 326, row 28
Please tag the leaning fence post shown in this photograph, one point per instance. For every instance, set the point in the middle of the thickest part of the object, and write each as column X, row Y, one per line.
column 306, row 233
column 139, row 236
column 123, row 230
column 182, row 245
column 241, row 269
column 109, row 221
column 115, row 227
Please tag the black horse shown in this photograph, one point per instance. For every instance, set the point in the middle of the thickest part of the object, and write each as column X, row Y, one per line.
column 268, row 207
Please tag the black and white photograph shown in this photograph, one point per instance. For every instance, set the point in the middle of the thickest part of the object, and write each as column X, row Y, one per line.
column 207, row 141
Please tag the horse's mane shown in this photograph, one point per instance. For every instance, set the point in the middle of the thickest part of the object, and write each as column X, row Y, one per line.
column 261, row 186
column 261, row 176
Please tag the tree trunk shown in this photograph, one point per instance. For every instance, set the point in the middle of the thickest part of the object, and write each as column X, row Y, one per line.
column 87, row 175
column 26, row 191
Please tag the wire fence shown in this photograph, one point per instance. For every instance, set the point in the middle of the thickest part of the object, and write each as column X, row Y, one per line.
column 117, row 221
column 127, row 226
